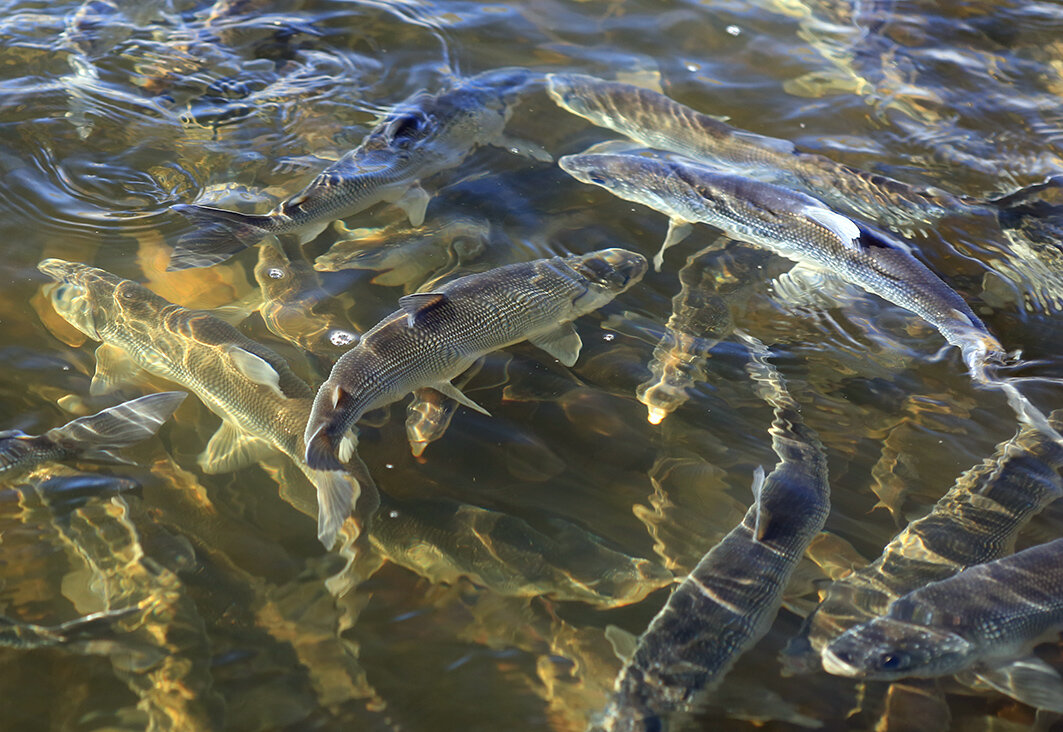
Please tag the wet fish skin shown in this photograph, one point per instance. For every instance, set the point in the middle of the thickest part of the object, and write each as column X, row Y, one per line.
column 731, row 597
column 263, row 404
column 438, row 335
column 987, row 613
column 657, row 121
column 93, row 437
column 798, row 227
column 423, row 135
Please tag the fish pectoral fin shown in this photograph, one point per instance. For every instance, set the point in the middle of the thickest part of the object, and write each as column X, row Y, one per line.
column 678, row 230
column 763, row 519
column 114, row 367
column 255, row 368
column 231, row 449
column 841, row 226
column 624, row 642
column 525, row 148
column 449, row 390
column 417, row 304
column 1029, row 680
column 414, row 202
column 563, row 343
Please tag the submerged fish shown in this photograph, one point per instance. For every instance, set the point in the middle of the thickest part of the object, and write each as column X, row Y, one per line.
column 435, row 336
column 987, row 614
column 423, row 135
column 656, row 121
column 91, row 438
column 795, row 226
column 263, row 404
column 90, row 631
column 730, row 598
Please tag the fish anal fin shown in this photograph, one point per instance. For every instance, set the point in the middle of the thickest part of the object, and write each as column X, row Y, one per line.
column 114, row 368
column 418, row 303
column 231, row 449
column 678, row 230
column 449, row 390
column 563, row 343
column 255, row 368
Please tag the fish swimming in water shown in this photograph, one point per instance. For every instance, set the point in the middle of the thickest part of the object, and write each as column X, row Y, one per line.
column 91, row 438
column 422, row 136
column 263, row 404
column 730, row 598
column 435, row 336
column 655, row 120
column 987, row 614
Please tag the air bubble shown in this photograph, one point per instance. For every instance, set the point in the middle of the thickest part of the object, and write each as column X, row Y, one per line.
column 342, row 338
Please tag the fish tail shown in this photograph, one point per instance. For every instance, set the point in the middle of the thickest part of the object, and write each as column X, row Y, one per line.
column 338, row 492
column 1032, row 207
column 219, row 235
column 322, row 449
column 120, row 426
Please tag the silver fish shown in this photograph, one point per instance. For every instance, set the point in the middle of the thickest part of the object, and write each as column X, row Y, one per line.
column 423, row 135
column 985, row 615
column 435, row 336
column 263, row 404
column 730, row 598
column 93, row 437
column 795, row 226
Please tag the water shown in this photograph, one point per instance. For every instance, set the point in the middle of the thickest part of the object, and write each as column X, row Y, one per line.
column 109, row 114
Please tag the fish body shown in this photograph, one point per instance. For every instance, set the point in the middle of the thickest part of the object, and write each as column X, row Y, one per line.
column 92, row 437
column 796, row 226
column 988, row 613
column 435, row 336
column 423, row 135
column 731, row 597
column 263, row 404
column 657, row 121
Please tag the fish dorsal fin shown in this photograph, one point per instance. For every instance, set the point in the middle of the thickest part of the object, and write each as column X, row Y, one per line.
column 449, row 390
column 623, row 642
column 417, row 304
column 841, row 226
column 1028, row 679
column 114, row 368
column 255, row 368
column 763, row 519
column 563, row 343
column 231, row 449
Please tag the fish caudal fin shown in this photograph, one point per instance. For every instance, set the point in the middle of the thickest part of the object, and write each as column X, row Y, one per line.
column 338, row 492
column 219, row 235
column 120, row 426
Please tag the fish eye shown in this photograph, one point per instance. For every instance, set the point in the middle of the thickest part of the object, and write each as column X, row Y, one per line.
column 893, row 661
column 597, row 179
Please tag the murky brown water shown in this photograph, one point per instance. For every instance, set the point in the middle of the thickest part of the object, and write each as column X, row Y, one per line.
column 111, row 114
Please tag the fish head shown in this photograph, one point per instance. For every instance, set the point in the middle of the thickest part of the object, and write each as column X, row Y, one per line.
column 885, row 648
column 606, row 273
column 77, row 290
column 578, row 93
column 632, row 177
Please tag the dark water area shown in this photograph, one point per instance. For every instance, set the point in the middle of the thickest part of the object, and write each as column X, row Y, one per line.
column 113, row 112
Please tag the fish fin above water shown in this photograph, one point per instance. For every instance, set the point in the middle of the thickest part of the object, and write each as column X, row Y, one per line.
column 563, row 343
column 119, row 426
column 763, row 519
column 678, row 230
column 525, row 148
column 841, row 226
column 449, row 390
column 255, row 368
column 414, row 202
column 418, row 303
column 230, row 448
column 219, row 234
column 1029, row 680
column 623, row 642
column 114, row 367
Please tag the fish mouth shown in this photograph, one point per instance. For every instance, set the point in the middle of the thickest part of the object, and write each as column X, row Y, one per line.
column 834, row 665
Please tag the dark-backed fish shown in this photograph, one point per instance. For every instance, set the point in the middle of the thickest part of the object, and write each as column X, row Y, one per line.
column 987, row 614
column 731, row 597
column 435, row 336
column 423, row 135
column 91, row 438
column 264, row 406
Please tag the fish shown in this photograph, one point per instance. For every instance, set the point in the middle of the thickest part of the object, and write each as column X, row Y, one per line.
column 262, row 403
column 424, row 135
column 729, row 600
column 987, row 614
column 435, row 336
column 90, row 630
column 804, row 230
column 655, row 120
column 91, row 438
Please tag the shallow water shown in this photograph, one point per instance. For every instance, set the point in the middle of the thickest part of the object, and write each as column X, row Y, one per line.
column 111, row 114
